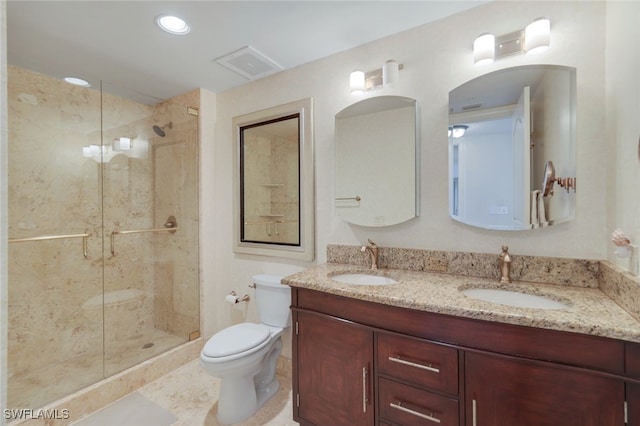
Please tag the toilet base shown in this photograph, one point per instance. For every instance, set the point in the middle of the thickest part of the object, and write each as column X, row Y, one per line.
column 242, row 396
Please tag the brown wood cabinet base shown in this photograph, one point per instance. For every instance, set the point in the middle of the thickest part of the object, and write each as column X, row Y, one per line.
column 362, row 363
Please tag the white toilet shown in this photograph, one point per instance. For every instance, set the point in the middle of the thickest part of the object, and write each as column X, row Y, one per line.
column 244, row 356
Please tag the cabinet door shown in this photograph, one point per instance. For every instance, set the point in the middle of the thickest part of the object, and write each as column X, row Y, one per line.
column 334, row 368
column 633, row 404
column 507, row 392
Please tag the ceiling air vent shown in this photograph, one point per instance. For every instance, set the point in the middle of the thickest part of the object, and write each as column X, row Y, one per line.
column 249, row 63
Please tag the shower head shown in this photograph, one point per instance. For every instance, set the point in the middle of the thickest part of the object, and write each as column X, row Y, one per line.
column 160, row 130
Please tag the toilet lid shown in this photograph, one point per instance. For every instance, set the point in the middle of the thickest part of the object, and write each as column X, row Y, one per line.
column 235, row 339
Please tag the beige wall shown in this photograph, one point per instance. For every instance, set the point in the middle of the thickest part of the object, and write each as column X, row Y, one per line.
column 623, row 124
column 437, row 57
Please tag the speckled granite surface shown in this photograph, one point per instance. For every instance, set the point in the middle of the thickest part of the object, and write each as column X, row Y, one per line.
column 591, row 309
column 575, row 272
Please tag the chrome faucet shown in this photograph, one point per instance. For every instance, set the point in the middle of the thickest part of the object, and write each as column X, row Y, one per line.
column 372, row 249
column 505, row 265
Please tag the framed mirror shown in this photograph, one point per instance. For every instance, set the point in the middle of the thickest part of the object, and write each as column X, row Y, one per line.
column 273, row 196
column 376, row 161
column 508, row 131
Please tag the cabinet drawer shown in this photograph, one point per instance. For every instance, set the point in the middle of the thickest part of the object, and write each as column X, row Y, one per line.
column 406, row 405
column 632, row 359
column 419, row 362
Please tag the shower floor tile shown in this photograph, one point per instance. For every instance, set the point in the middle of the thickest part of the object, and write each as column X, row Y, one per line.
column 38, row 387
column 191, row 395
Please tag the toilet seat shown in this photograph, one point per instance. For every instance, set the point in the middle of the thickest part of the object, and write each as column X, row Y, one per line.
column 236, row 339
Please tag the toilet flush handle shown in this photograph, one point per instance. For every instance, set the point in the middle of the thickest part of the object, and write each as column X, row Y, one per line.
column 252, row 286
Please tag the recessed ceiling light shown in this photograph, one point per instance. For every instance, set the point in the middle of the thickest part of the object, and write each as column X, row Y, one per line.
column 77, row 81
column 172, row 24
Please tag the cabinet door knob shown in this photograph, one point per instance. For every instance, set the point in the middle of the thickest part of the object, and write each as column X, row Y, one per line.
column 429, row 416
column 413, row 364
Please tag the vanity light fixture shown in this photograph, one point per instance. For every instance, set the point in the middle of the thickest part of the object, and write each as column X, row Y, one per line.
column 484, row 49
column 535, row 38
column 173, row 24
column 356, row 82
column 387, row 77
column 457, row 131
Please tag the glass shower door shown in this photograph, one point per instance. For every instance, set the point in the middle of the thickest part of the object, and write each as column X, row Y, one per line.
column 150, row 203
column 55, row 342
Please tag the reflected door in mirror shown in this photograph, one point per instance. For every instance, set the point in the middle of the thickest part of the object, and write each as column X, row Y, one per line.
column 516, row 120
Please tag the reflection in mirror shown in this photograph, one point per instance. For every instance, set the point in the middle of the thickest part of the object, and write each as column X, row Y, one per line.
column 269, row 177
column 519, row 122
column 274, row 186
column 376, row 171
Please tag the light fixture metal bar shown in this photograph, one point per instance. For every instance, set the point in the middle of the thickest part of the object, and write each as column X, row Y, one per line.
column 509, row 44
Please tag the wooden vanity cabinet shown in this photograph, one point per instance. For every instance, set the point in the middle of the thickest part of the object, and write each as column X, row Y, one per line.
column 511, row 391
column 354, row 358
column 632, row 368
column 334, row 363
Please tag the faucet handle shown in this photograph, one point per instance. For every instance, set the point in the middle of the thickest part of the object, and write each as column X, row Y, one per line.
column 371, row 242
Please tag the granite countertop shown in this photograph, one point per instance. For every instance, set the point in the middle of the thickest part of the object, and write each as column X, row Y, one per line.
column 589, row 310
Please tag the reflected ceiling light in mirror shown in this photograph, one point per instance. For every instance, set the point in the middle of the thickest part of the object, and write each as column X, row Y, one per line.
column 457, row 131
column 356, row 82
column 537, row 36
column 173, row 24
column 484, row 49
column 77, row 81
column 121, row 144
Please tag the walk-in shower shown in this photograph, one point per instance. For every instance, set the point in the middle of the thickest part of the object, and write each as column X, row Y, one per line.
column 103, row 228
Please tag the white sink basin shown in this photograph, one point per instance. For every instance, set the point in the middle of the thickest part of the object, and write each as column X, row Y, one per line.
column 361, row 278
column 513, row 298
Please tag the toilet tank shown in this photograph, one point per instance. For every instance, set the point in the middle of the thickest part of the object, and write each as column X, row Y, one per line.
column 273, row 300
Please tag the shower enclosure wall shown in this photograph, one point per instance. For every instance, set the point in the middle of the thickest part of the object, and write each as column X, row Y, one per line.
column 103, row 228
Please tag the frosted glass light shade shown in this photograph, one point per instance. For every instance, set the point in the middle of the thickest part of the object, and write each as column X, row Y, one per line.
column 390, row 73
column 356, row 82
column 484, row 49
column 537, row 36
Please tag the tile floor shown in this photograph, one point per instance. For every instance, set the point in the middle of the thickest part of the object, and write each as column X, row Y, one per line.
column 190, row 394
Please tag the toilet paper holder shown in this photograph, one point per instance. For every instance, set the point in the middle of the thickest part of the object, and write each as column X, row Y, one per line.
column 233, row 294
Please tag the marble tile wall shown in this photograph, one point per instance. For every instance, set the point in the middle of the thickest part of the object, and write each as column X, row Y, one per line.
column 151, row 281
column 176, row 283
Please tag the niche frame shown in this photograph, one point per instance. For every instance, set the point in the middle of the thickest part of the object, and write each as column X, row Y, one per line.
column 305, row 250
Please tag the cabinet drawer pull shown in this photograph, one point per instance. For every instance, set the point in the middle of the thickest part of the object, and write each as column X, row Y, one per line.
column 364, row 390
column 413, row 364
column 429, row 417
column 474, row 409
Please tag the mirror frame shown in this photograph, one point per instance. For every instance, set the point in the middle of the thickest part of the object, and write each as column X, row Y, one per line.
column 306, row 249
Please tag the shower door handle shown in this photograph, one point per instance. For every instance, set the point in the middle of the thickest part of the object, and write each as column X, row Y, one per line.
column 85, row 236
column 170, row 226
